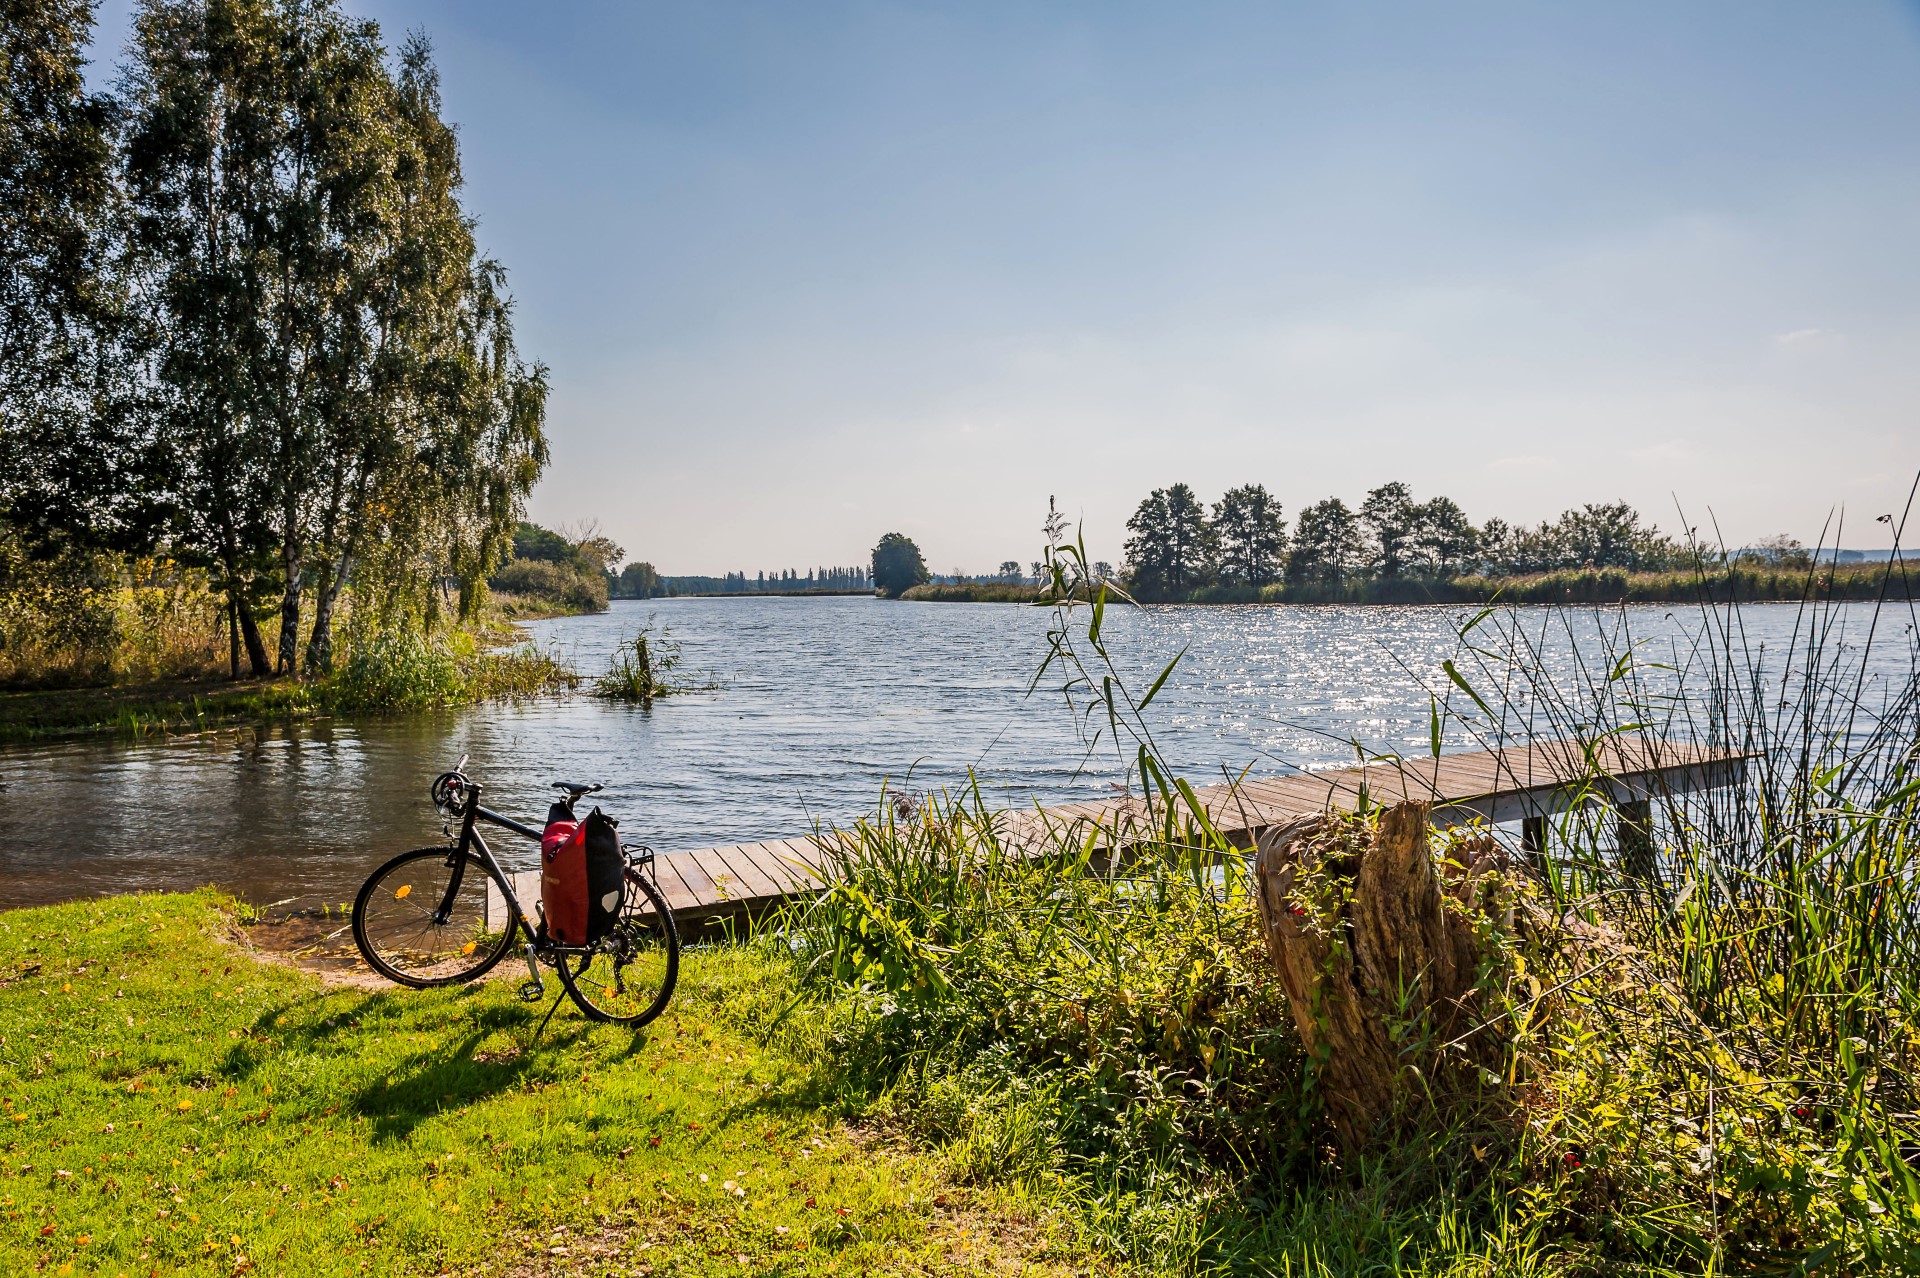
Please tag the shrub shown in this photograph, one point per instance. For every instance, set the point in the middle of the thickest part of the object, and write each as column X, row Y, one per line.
column 559, row 584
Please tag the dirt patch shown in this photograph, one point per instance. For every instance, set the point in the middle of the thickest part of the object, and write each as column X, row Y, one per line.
column 310, row 941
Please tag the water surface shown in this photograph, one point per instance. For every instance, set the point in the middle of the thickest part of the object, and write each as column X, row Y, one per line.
column 820, row 701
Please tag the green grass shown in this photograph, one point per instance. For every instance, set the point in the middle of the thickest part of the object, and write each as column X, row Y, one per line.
column 172, row 1105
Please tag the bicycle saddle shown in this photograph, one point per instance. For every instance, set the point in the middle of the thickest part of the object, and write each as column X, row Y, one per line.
column 575, row 789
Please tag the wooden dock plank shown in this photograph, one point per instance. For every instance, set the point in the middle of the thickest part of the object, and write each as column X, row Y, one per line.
column 755, row 881
column 1495, row 785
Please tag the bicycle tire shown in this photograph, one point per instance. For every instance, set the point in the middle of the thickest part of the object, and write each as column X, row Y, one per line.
column 645, row 931
column 439, row 957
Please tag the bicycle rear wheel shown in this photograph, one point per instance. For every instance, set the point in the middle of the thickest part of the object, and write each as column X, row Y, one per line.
column 628, row 976
column 415, row 925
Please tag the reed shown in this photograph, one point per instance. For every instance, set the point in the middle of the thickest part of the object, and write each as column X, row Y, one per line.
column 647, row 666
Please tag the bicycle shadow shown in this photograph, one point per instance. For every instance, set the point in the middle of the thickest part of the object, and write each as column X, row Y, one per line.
column 449, row 1072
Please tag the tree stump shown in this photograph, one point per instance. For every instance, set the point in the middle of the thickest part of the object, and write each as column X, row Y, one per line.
column 1383, row 957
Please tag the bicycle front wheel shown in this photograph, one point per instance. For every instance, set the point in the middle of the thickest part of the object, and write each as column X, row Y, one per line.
column 421, row 920
column 629, row 975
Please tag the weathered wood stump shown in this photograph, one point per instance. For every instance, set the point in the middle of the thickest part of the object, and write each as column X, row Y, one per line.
column 1383, row 956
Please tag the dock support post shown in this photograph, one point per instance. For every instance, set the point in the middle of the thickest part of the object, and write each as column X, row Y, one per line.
column 1533, row 838
column 1636, row 838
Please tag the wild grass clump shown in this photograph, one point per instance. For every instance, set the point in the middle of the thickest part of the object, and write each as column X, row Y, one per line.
column 644, row 667
column 1045, row 1021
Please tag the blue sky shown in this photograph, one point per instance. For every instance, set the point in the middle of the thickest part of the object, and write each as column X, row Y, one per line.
column 808, row 273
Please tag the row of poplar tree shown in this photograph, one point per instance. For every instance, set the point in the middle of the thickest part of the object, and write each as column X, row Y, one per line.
column 1178, row 546
column 246, row 322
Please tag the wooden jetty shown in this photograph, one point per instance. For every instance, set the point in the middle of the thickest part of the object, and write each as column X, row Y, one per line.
column 1528, row 784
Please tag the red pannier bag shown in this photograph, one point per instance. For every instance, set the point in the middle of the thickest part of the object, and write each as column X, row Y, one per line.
column 582, row 876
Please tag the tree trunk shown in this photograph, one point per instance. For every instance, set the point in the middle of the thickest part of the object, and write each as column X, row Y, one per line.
column 290, row 611
column 320, row 642
column 249, row 628
column 1381, row 970
column 250, row 635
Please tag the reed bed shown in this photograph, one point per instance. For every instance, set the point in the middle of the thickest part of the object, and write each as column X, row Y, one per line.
column 1706, row 1040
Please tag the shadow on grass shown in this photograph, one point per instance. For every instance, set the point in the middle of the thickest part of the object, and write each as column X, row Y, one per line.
column 450, row 1072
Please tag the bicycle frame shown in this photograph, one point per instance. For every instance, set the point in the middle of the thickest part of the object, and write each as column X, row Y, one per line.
column 470, row 838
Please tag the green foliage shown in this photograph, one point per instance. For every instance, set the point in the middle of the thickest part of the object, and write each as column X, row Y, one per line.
column 1252, row 535
column 1172, row 546
column 397, row 670
column 976, row 592
column 318, row 394
column 1175, row 553
column 531, row 541
column 545, row 586
column 1327, row 547
column 76, row 451
column 86, row 617
column 637, row 581
column 1700, row 1063
column 897, row 565
column 552, row 573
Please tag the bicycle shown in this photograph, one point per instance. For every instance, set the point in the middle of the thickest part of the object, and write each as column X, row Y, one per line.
column 422, row 919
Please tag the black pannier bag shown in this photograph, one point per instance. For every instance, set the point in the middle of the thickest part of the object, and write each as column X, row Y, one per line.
column 606, row 875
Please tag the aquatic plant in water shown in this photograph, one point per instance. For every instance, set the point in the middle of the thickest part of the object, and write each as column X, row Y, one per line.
column 645, row 667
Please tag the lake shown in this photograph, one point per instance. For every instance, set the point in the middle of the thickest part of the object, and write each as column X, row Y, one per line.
column 819, row 701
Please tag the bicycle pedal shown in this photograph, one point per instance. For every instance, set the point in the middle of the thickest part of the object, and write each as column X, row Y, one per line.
column 532, row 991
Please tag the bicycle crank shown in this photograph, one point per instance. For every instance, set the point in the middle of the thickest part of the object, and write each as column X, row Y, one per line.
column 536, row 989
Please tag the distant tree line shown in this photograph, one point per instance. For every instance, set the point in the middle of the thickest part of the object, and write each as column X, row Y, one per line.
column 246, row 327
column 1178, row 546
column 640, row 581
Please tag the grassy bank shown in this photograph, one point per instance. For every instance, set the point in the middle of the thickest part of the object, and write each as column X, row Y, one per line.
column 173, row 1106
column 974, row 592
column 393, row 672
